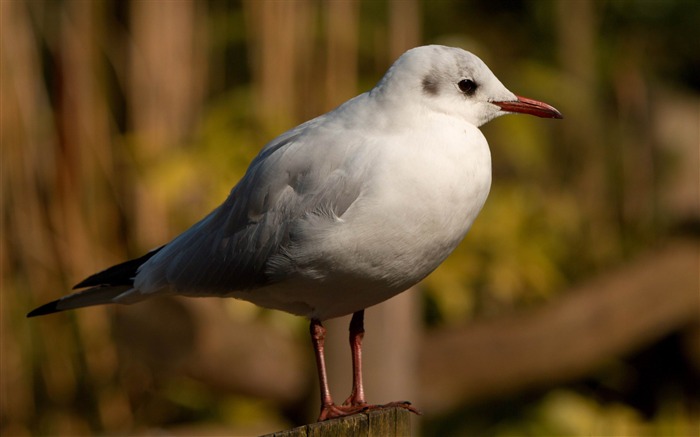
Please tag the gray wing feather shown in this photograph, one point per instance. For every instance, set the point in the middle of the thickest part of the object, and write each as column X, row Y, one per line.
column 231, row 248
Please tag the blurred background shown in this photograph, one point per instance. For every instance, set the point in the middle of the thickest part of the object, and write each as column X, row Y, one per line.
column 572, row 307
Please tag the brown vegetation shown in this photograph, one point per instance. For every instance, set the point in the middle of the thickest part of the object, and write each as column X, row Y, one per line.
column 123, row 122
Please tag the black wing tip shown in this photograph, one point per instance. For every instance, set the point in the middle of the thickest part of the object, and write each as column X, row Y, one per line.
column 97, row 279
column 49, row 308
column 87, row 282
column 119, row 274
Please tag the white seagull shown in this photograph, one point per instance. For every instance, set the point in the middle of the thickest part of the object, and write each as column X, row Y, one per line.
column 342, row 212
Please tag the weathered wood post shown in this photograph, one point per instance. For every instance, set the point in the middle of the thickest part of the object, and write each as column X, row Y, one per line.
column 388, row 422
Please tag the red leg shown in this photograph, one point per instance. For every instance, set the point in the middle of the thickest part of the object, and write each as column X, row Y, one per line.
column 318, row 337
column 357, row 333
column 328, row 409
column 356, row 402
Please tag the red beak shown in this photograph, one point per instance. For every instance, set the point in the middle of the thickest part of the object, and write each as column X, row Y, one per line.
column 528, row 106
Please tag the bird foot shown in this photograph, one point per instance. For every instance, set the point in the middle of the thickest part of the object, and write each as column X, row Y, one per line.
column 333, row 411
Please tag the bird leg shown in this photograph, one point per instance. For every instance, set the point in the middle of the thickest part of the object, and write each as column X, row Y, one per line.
column 318, row 337
column 357, row 333
column 355, row 403
column 328, row 409
column 357, row 396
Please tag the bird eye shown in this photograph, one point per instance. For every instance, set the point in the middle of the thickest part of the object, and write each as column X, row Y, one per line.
column 467, row 86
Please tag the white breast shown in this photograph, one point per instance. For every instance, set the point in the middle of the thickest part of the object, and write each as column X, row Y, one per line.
column 427, row 193
column 421, row 200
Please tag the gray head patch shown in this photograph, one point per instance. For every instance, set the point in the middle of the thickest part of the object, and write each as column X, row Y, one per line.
column 431, row 84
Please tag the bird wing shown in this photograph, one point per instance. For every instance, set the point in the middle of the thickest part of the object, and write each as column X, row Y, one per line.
column 270, row 209
column 299, row 182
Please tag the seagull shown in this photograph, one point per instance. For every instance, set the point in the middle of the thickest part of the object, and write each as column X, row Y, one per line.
column 342, row 212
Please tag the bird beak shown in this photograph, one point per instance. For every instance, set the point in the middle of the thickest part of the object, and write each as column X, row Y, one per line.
column 528, row 106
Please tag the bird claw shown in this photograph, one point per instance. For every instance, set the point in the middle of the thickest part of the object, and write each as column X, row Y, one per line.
column 333, row 411
column 406, row 405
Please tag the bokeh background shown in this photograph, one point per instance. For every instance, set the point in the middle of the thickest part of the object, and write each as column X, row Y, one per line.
column 572, row 307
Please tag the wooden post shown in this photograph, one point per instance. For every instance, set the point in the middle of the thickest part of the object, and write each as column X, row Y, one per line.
column 387, row 422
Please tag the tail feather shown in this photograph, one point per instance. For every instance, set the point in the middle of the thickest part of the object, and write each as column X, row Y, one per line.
column 92, row 296
column 106, row 287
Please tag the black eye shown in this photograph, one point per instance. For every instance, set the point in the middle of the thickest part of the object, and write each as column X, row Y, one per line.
column 467, row 86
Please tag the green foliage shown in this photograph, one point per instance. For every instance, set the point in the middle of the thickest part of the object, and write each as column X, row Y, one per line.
column 561, row 412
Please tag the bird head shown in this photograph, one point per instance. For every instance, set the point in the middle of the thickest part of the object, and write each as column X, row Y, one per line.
column 456, row 82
